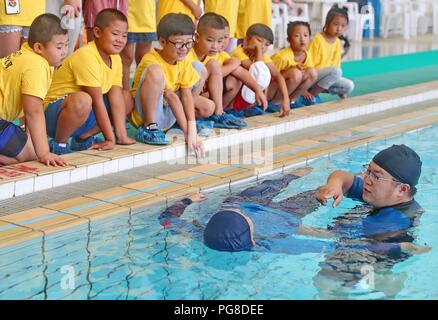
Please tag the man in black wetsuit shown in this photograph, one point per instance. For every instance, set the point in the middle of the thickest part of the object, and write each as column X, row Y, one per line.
column 387, row 185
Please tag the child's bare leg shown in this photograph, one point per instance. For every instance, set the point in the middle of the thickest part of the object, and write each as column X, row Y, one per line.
column 28, row 152
column 177, row 108
column 121, row 104
column 215, row 85
column 309, row 77
column 150, row 93
column 127, row 56
column 233, row 86
column 5, row 161
column 141, row 48
column 293, row 78
column 10, row 42
column 203, row 73
column 75, row 110
column 204, row 107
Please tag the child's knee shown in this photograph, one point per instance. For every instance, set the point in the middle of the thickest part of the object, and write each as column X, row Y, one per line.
column 295, row 76
column 81, row 104
column 154, row 76
column 312, row 74
column 232, row 83
column 205, row 107
column 213, row 67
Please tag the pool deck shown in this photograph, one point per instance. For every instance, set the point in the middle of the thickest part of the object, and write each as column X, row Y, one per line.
column 128, row 179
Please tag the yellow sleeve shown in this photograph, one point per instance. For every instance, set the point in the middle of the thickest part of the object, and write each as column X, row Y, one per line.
column 239, row 54
column 118, row 71
column 87, row 75
column 266, row 58
column 36, row 82
column 282, row 60
column 189, row 75
column 337, row 55
column 314, row 51
column 309, row 61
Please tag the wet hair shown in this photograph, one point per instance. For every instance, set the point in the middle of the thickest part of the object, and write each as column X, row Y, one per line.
column 334, row 12
column 292, row 25
column 211, row 20
column 175, row 24
column 106, row 16
column 43, row 28
column 261, row 30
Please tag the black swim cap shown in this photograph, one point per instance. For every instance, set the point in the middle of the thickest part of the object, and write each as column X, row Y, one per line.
column 228, row 231
column 401, row 162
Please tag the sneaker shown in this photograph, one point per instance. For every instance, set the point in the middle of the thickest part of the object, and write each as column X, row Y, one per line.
column 148, row 136
column 237, row 114
column 273, row 107
column 83, row 145
column 227, row 121
column 55, row 148
column 204, row 127
column 252, row 112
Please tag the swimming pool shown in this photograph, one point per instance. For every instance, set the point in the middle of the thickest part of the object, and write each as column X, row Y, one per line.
column 133, row 257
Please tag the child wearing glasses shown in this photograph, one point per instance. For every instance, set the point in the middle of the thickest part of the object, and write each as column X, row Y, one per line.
column 166, row 85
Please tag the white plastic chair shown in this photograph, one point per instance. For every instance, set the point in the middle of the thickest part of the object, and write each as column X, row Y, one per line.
column 421, row 16
column 297, row 12
column 278, row 26
column 396, row 17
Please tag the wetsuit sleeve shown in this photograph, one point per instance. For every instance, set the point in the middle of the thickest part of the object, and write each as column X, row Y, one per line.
column 356, row 190
column 174, row 211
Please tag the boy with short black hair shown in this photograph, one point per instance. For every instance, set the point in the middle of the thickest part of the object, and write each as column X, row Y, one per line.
column 25, row 78
column 210, row 49
column 87, row 89
column 166, row 85
column 252, row 56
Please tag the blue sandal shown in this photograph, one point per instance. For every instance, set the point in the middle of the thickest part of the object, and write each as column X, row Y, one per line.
column 154, row 137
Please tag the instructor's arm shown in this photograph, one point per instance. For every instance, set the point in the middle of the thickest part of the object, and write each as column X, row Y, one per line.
column 338, row 183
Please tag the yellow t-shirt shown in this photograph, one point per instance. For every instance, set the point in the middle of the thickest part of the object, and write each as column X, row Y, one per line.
column 85, row 68
column 226, row 8
column 181, row 75
column 253, row 11
column 325, row 54
column 23, row 72
column 240, row 54
column 177, row 76
column 220, row 57
column 29, row 10
column 141, row 16
column 284, row 59
column 173, row 6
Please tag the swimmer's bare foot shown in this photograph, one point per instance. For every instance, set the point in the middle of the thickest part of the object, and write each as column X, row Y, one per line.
column 412, row 248
column 316, row 232
column 197, row 197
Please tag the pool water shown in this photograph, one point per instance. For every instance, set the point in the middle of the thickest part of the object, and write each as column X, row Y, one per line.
column 133, row 257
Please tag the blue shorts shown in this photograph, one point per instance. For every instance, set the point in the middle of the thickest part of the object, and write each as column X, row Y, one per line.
column 134, row 37
column 12, row 139
column 52, row 114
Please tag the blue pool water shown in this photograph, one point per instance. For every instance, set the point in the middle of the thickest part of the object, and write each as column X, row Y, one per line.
column 133, row 257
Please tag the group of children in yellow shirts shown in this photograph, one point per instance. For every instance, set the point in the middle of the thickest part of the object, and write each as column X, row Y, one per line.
column 191, row 80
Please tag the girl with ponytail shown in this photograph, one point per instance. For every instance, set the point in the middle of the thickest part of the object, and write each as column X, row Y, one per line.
column 325, row 49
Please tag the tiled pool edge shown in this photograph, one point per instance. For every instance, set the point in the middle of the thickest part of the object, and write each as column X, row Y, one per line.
column 317, row 115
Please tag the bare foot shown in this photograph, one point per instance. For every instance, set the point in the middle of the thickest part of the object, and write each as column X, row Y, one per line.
column 126, row 141
column 414, row 248
column 343, row 96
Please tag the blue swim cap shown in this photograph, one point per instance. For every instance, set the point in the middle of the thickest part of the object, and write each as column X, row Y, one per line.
column 228, row 230
column 401, row 162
